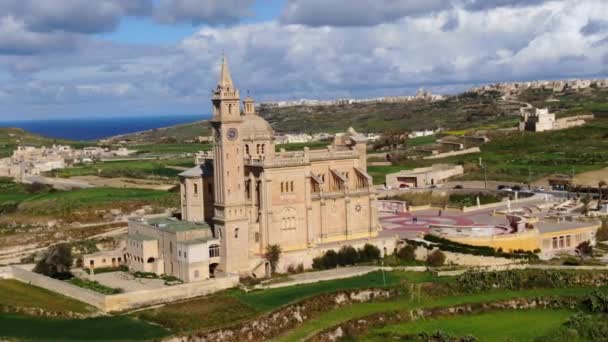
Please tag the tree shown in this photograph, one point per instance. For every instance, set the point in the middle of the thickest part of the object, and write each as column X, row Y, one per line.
column 436, row 259
column 586, row 200
column 584, row 249
column 56, row 262
column 330, row 259
column 273, row 255
column 407, row 253
column 600, row 185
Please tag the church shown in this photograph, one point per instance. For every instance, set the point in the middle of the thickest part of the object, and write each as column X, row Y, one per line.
column 245, row 196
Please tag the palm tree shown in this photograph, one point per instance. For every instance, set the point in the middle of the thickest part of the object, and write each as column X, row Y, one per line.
column 600, row 185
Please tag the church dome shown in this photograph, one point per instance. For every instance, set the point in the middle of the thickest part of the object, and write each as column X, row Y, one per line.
column 255, row 128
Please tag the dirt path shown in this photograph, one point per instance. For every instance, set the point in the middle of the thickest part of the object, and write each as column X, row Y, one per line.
column 125, row 182
column 591, row 178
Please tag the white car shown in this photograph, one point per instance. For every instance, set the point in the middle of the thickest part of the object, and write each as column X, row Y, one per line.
column 539, row 189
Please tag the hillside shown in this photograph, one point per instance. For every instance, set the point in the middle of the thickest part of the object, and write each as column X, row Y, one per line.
column 172, row 134
column 488, row 108
column 10, row 138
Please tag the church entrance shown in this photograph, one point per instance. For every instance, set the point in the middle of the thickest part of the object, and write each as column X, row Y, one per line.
column 212, row 269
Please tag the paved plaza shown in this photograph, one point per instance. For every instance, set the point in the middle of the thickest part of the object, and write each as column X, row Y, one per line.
column 127, row 282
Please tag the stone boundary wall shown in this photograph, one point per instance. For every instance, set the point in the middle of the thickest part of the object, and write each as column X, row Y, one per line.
column 90, row 297
column 128, row 300
column 360, row 326
column 6, row 272
column 277, row 322
column 137, row 299
column 454, row 153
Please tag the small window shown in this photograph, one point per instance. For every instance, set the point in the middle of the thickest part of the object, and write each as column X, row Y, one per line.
column 185, row 255
column 91, row 262
column 103, row 260
column 236, row 233
column 195, row 189
column 263, row 146
column 214, row 251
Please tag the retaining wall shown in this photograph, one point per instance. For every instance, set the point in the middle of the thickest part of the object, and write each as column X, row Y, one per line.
column 6, row 272
column 90, row 297
column 128, row 300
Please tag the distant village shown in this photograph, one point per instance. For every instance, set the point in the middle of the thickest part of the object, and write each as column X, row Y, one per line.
column 33, row 161
column 556, row 86
column 420, row 95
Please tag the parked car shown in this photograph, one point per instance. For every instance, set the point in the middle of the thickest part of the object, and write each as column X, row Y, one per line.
column 458, row 186
column 516, row 188
column 539, row 189
column 403, row 186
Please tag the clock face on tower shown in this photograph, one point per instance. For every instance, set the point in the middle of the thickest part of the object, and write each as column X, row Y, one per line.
column 232, row 134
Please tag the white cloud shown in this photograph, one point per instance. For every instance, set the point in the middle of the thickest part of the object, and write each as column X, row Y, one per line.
column 277, row 61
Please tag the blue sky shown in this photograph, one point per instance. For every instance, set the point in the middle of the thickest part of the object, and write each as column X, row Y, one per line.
column 75, row 58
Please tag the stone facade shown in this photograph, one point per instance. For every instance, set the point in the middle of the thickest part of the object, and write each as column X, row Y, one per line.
column 254, row 196
column 541, row 120
column 424, row 176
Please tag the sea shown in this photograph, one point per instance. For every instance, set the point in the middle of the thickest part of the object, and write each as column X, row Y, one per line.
column 84, row 129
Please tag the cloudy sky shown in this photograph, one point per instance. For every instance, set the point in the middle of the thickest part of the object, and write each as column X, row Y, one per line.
column 84, row 58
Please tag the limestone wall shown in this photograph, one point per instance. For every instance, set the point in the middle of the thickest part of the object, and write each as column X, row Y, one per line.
column 454, row 153
column 465, row 259
column 6, row 272
column 93, row 298
column 129, row 300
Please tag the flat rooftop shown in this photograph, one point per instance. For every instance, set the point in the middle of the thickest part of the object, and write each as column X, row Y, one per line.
column 174, row 225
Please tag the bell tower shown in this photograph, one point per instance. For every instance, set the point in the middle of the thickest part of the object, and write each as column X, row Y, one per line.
column 230, row 212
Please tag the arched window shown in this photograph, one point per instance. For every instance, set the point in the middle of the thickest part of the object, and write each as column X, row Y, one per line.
column 291, row 186
column 236, row 233
column 257, row 148
column 195, row 189
column 263, row 145
column 282, row 187
column 150, row 260
column 214, row 251
column 230, row 108
column 247, row 149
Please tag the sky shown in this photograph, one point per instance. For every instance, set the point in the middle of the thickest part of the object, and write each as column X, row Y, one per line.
column 101, row 58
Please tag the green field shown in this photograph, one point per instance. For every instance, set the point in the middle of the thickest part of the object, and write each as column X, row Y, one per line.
column 343, row 314
column 313, row 145
column 17, row 294
column 496, row 326
column 520, row 156
column 117, row 328
column 81, row 204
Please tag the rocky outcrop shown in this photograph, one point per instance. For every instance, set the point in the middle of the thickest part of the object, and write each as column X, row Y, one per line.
column 38, row 312
column 360, row 326
column 275, row 323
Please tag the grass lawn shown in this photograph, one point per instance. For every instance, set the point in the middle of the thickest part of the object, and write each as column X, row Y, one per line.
column 492, row 326
column 518, row 156
column 235, row 305
column 379, row 172
column 116, row 328
column 67, row 204
column 201, row 313
column 313, row 145
column 343, row 314
column 16, row 293
column 273, row 298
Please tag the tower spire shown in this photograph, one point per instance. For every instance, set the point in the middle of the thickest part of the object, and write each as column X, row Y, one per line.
column 225, row 78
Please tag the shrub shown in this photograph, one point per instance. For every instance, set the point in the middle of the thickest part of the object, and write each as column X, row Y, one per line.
column 584, row 249
column 436, row 259
column 596, row 301
column 456, row 247
column 318, row 264
column 330, row 259
column 369, row 253
column 407, row 253
column 571, row 262
column 347, row 256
